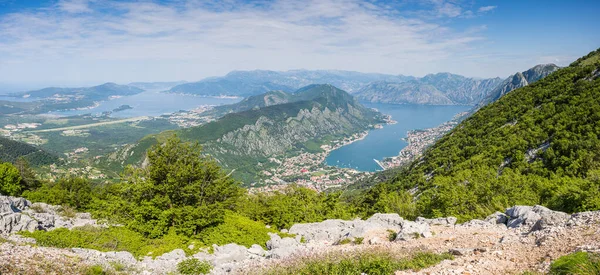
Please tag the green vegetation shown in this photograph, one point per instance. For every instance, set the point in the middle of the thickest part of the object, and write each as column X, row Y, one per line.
column 73, row 192
column 111, row 239
column 367, row 262
column 180, row 189
column 238, row 229
column 578, row 263
column 193, row 267
column 10, row 179
column 294, row 205
column 11, row 150
column 536, row 145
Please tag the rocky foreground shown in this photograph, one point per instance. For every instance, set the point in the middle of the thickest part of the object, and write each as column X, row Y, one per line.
column 523, row 238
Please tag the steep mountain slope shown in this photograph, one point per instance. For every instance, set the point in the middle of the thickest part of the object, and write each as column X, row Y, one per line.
column 518, row 80
column 10, row 150
column 252, row 102
column 247, row 83
column 460, row 89
column 245, row 141
column 412, row 92
column 433, row 89
column 538, row 144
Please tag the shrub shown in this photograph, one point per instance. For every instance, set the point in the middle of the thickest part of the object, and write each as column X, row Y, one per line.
column 358, row 240
column 10, row 180
column 67, row 212
column 392, row 235
column 236, row 229
column 344, row 241
column 193, row 266
column 73, row 192
column 582, row 263
column 95, row 270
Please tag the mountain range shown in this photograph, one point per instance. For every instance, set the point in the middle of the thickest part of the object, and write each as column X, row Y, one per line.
column 248, row 83
column 432, row 89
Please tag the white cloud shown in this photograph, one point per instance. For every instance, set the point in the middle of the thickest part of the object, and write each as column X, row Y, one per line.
column 190, row 40
column 486, row 8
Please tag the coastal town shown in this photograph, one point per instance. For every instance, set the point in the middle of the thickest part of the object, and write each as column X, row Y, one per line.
column 310, row 171
column 418, row 141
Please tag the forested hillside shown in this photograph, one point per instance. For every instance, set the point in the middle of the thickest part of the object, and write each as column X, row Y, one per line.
column 11, row 150
column 536, row 145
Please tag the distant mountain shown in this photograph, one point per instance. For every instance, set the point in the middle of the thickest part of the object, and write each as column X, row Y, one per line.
column 156, row 86
column 95, row 93
column 244, row 141
column 248, row 83
column 518, row 80
column 433, row 89
column 252, row 102
column 10, row 150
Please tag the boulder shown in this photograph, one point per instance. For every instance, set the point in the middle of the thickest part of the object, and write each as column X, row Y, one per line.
column 387, row 221
column 413, row 230
column 175, row 255
column 256, row 250
column 497, row 218
column 282, row 247
column 328, row 231
column 448, row 221
column 535, row 218
column 229, row 253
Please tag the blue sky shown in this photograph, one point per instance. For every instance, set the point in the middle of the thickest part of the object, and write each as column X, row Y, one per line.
column 81, row 42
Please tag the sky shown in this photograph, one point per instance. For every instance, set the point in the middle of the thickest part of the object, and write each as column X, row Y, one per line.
column 85, row 42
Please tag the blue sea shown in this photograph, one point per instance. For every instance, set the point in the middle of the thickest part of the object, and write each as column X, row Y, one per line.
column 387, row 142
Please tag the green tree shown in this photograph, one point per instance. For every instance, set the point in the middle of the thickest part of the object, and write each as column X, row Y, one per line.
column 74, row 192
column 10, row 180
column 180, row 188
column 28, row 179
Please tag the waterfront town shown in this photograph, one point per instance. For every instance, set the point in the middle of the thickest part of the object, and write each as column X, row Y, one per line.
column 310, row 171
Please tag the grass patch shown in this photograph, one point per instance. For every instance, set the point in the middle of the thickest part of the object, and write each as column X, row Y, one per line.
column 237, row 229
column 67, row 212
column 110, row 239
column 344, row 241
column 581, row 263
column 286, row 235
column 358, row 240
column 193, row 266
column 372, row 262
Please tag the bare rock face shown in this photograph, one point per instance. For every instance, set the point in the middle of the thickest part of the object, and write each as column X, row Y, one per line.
column 18, row 214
